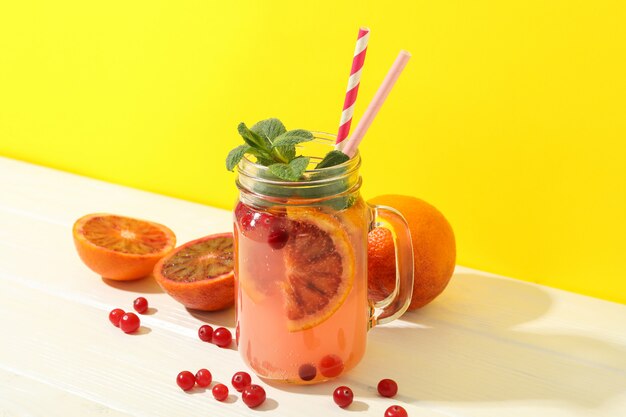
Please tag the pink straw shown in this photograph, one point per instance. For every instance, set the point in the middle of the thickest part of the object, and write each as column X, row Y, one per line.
column 376, row 103
column 353, row 85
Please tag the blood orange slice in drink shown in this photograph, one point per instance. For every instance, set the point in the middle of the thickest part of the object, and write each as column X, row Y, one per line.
column 121, row 248
column 320, row 267
column 199, row 274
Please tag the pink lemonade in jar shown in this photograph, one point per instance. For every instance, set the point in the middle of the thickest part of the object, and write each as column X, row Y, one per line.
column 302, row 269
column 301, row 257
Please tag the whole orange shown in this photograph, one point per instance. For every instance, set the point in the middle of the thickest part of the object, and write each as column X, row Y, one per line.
column 434, row 251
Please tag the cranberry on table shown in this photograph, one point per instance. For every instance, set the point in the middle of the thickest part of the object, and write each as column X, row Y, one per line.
column 129, row 322
column 220, row 392
column 115, row 316
column 222, row 337
column 203, row 378
column 343, row 396
column 140, row 305
column 186, row 380
column 205, row 333
column 253, row 395
column 241, row 380
column 387, row 387
column 396, row 411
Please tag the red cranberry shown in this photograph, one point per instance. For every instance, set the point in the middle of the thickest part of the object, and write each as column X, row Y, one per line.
column 129, row 322
column 115, row 316
column 331, row 366
column 278, row 238
column 186, row 380
column 140, row 305
column 205, row 333
column 220, row 392
column 241, row 380
column 222, row 337
column 343, row 396
column 261, row 221
column 253, row 395
column 247, row 218
column 387, row 388
column 204, row 378
column 396, row 411
column 258, row 225
column 307, row 372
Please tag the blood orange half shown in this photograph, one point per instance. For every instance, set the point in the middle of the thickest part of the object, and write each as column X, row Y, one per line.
column 199, row 274
column 121, row 248
column 320, row 267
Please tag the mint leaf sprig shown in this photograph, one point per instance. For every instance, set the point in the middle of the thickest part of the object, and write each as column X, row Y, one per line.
column 332, row 158
column 275, row 147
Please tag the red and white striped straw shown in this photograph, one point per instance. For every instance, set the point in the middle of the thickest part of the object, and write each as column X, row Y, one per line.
column 353, row 86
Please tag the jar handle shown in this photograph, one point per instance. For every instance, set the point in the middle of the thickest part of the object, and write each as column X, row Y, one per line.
column 394, row 305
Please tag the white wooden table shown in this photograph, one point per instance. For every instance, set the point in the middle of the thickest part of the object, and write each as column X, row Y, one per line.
column 488, row 346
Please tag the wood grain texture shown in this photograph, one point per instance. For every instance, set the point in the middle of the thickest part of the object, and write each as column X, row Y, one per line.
column 488, row 346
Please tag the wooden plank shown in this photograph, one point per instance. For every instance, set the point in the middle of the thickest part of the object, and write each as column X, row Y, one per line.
column 17, row 398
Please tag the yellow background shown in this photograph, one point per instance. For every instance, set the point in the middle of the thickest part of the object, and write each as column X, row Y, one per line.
column 510, row 117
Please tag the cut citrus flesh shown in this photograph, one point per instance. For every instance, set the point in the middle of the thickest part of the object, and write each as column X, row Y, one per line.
column 320, row 268
column 199, row 274
column 119, row 247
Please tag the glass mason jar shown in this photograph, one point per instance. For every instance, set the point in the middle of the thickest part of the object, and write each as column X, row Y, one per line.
column 301, row 269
